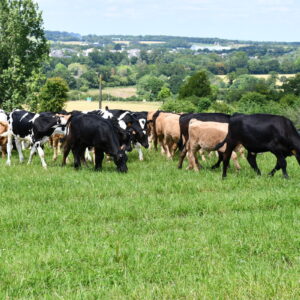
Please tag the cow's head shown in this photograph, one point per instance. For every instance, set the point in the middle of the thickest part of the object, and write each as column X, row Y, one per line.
column 120, row 161
column 139, row 136
column 63, row 118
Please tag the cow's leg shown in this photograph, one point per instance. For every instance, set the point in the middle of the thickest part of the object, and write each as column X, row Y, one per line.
column 9, row 148
column 276, row 168
column 194, row 159
column 282, row 163
column 32, row 151
column 87, row 155
column 182, row 156
column 99, row 155
column 55, row 148
column 235, row 160
column 19, row 148
column 251, row 157
column 4, row 149
column 41, row 154
column 226, row 158
column 217, row 165
column 138, row 146
column 67, row 149
column 77, row 158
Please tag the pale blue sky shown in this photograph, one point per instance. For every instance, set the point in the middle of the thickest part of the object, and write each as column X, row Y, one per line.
column 270, row 20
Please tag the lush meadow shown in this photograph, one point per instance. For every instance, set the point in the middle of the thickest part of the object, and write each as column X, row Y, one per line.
column 154, row 233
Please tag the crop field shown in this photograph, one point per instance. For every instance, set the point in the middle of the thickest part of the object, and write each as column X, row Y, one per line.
column 154, row 233
column 134, row 106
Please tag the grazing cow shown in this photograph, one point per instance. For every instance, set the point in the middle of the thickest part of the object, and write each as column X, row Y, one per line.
column 205, row 136
column 137, row 123
column 33, row 128
column 262, row 133
column 184, row 121
column 91, row 130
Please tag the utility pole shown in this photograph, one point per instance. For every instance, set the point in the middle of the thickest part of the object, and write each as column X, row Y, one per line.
column 100, row 91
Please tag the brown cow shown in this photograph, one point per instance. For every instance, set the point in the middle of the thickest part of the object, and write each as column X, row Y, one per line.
column 206, row 135
column 171, row 132
column 3, row 139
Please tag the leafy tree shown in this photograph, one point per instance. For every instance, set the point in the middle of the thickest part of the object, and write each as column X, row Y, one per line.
column 149, row 87
column 175, row 81
column 197, row 85
column 23, row 49
column 53, row 95
column 164, row 93
column 292, row 85
column 247, row 83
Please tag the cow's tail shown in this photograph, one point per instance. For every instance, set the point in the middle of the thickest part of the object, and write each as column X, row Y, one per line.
column 296, row 145
column 218, row 146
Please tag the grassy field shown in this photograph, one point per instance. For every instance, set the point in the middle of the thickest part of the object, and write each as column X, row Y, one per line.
column 154, row 233
column 134, row 106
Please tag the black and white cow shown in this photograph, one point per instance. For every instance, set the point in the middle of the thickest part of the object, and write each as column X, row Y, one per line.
column 33, row 128
column 137, row 122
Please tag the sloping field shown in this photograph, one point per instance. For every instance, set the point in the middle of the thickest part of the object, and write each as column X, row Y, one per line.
column 154, row 233
column 134, row 106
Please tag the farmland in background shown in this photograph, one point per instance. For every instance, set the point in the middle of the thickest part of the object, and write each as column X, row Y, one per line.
column 134, row 106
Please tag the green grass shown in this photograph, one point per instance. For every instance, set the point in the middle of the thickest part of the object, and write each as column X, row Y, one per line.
column 154, row 233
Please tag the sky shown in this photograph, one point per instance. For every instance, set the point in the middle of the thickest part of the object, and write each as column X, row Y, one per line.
column 258, row 20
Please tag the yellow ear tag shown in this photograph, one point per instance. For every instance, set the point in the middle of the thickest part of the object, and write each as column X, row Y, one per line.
column 294, row 152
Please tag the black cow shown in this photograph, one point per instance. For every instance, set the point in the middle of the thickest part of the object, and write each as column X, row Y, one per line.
column 91, row 130
column 262, row 133
column 184, row 122
column 33, row 128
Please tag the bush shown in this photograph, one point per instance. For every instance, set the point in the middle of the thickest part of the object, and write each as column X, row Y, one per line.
column 53, row 95
column 179, row 106
column 290, row 100
column 222, row 107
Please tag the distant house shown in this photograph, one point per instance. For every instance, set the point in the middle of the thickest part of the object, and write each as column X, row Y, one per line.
column 56, row 53
column 214, row 47
column 88, row 51
column 133, row 53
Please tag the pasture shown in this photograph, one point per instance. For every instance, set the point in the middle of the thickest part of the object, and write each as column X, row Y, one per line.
column 154, row 233
column 134, row 106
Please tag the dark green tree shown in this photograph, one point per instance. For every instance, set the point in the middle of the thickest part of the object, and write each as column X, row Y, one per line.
column 53, row 95
column 23, row 49
column 197, row 85
column 292, row 85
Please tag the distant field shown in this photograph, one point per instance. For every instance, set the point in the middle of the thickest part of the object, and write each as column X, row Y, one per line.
column 134, row 106
column 122, row 42
column 264, row 76
column 151, row 42
column 122, row 92
column 78, row 43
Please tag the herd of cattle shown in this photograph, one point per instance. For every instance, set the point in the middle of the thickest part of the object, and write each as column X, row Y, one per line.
column 116, row 132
